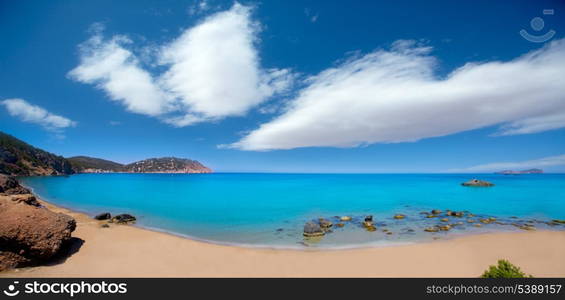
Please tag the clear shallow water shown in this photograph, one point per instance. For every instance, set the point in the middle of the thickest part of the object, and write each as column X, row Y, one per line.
column 271, row 209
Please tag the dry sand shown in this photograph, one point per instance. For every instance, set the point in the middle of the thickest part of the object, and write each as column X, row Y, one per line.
column 127, row 251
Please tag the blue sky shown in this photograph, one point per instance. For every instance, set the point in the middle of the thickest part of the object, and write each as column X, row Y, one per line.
column 289, row 86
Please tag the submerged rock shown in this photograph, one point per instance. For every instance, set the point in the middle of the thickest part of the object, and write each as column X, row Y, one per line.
column 444, row 220
column 369, row 224
column 369, row 218
column 431, row 229
column 325, row 224
column 436, row 212
column 558, row 221
column 339, row 224
column 444, row 227
column 458, row 214
column 477, row 183
column 103, row 216
column 312, row 229
column 399, row 216
column 345, row 218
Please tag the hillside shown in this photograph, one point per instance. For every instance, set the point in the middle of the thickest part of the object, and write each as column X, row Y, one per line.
column 167, row 165
column 19, row 158
column 85, row 164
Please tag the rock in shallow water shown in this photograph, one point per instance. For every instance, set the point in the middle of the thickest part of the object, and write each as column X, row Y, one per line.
column 312, row 229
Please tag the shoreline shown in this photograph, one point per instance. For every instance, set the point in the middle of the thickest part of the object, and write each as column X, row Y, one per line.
column 131, row 251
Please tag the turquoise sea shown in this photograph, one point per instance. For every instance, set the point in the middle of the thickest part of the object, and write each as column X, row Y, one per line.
column 271, row 209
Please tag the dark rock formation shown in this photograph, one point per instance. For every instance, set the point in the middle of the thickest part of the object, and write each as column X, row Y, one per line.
column 30, row 234
column 123, row 219
column 103, row 216
column 477, row 183
column 10, row 186
column 312, row 229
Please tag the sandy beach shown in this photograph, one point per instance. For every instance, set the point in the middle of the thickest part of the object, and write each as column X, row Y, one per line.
column 128, row 251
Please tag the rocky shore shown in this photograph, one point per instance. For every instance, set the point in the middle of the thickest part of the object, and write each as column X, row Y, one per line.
column 30, row 234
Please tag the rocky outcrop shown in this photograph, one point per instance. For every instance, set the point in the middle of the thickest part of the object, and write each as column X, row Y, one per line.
column 30, row 234
column 312, row 229
column 103, row 216
column 10, row 186
column 123, row 219
column 477, row 183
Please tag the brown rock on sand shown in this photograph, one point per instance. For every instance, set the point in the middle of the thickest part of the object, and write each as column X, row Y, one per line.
column 30, row 234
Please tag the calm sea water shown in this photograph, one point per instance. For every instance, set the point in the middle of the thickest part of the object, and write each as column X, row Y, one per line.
column 271, row 209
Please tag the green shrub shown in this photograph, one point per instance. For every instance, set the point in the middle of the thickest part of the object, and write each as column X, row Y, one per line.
column 504, row 270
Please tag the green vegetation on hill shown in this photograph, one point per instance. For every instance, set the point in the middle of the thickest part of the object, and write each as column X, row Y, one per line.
column 81, row 163
column 167, row 165
column 19, row 158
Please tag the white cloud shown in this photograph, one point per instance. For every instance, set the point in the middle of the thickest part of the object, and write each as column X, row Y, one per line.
column 545, row 162
column 30, row 113
column 391, row 96
column 214, row 67
column 213, row 71
column 117, row 71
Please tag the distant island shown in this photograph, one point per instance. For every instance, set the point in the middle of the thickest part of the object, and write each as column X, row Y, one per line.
column 84, row 164
column 21, row 159
column 529, row 171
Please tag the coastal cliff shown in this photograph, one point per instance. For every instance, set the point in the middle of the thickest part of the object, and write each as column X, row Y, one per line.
column 22, row 159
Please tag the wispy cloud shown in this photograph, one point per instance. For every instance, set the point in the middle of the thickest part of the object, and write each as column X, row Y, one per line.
column 393, row 95
column 26, row 112
column 199, row 7
column 212, row 71
column 545, row 162
column 313, row 17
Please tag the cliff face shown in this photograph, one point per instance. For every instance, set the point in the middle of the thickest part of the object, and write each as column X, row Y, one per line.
column 167, row 165
column 20, row 158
